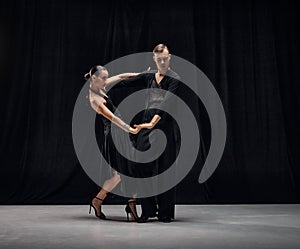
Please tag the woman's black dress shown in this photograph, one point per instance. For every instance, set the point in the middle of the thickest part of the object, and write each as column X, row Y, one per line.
column 107, row 146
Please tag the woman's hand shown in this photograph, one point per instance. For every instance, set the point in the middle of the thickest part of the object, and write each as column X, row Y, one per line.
column 134, row 130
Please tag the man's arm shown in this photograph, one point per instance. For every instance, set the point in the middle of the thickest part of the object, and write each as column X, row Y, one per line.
column 149, row 125
column 168, row 100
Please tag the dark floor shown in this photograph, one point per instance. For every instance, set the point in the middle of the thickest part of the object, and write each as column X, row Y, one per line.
column 196, row 226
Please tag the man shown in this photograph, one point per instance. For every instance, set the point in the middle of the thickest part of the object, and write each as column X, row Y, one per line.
column 163, row 205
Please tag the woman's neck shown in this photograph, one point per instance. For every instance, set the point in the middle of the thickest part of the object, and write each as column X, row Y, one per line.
column 98, row 90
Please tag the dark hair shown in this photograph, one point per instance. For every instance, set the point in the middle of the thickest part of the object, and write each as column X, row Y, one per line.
column 94, row 70
column 160, row 48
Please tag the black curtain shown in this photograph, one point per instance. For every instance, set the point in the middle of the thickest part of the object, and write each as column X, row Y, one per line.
column 248, row 49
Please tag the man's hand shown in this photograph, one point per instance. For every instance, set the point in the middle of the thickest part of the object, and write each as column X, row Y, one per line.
column 145, row 126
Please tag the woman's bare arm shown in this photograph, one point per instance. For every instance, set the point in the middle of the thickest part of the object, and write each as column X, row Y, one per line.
column 119, row 77
column 99, row 105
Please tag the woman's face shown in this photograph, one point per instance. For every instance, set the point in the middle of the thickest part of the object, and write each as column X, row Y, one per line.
column 100, row 80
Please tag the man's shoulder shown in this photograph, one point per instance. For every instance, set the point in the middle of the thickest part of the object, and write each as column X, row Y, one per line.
column 147, row 74
column 173, row 74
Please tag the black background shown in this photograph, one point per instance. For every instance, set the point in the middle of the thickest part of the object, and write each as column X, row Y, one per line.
column 248, row 49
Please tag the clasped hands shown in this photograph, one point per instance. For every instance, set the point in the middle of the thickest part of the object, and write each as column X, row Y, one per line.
column 137, row 128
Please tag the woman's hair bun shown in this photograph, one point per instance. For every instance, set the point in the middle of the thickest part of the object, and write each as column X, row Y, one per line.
column 87, row 75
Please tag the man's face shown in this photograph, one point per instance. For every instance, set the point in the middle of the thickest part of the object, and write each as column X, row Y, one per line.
column 162, row 60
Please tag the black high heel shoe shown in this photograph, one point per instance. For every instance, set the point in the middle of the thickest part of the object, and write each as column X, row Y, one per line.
column 101, row 215
column 131, row 209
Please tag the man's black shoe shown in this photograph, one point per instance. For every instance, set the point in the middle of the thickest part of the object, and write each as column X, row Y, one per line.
column 165, row 219
column 142, row 219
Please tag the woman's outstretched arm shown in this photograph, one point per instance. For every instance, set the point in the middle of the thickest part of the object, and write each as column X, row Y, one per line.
column 119, row 77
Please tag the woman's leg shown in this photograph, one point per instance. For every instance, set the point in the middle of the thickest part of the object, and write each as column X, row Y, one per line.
column 131, row 209
column 108, row 186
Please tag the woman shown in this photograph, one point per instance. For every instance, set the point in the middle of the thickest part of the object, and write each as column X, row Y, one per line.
column 103, row 105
